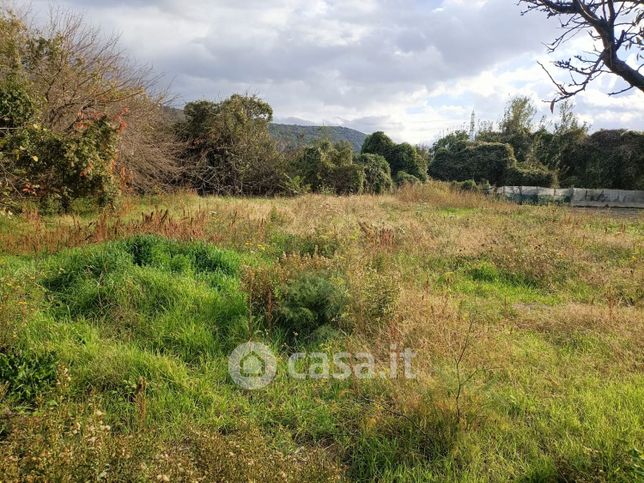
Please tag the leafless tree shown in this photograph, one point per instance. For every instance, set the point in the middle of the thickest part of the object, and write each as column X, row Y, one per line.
column 616, row 27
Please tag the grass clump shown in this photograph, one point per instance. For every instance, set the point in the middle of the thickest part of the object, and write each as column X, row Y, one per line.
column 309, row 244
column 170, row 297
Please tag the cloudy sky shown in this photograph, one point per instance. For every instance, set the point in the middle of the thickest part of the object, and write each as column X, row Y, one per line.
column 413, row 68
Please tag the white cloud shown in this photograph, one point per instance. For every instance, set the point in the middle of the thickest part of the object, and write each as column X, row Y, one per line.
column 413, row 68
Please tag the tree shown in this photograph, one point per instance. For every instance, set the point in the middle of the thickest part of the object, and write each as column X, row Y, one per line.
column 612, row 159
column 401, row 157
column 53, row 166
column 377, row 173
column 378, row 143
column 229, row 149
column 551, row 147
column 316, row 163
column 328, row 166
column 41, row 156
column 405, row 157
column 73, row 72
column 615, row 27
column 518, row 116
column 515, row 128
column 453, row 141
column 480, row 161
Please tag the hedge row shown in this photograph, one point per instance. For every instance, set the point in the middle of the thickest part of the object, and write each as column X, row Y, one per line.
column 483, row 161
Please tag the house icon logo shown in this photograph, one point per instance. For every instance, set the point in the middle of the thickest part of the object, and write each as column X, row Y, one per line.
column 252, row 365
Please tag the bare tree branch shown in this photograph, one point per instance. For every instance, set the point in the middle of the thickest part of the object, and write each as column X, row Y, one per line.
column 614, row 25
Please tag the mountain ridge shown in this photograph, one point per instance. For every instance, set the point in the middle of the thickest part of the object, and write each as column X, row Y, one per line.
column 295, row 135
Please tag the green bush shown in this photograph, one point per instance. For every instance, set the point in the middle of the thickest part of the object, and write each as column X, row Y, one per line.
column 17, row 106
column 307, row 303
column 478, row 161
column 314, row 166
column 612, row 159
column 454, row 141
column 401, row 157
column 377, row 173
column 403, row 178
column 467, row 185
column 405, row 157
column 530, row 176
column 56, row 166
column 328, row 166
column 27, row 375
column 347, row 179
column 521, row 142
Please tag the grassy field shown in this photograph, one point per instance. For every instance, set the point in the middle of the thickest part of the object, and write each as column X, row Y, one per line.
column 115, row 330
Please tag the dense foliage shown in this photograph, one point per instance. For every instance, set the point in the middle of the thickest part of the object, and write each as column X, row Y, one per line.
column 307, row 303
column 228, row 148
column 401, row 157
column 530, row 176
column 517, row 154
column 606, row 159
column 52, row 166
column 377, row 173
column 478, row 161
column 77, row 118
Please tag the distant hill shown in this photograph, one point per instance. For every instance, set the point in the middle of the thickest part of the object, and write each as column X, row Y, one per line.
column 298, row 135
column 294, row 136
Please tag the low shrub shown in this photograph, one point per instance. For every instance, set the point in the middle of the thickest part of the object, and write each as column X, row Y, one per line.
column 467, row 185
column 530, row 176
column 403, row 178
column 307, row 303
column 27, row 375
column 374, row 300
